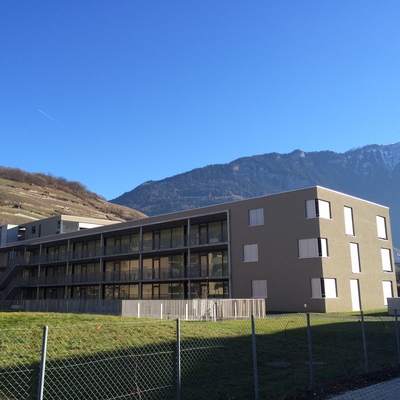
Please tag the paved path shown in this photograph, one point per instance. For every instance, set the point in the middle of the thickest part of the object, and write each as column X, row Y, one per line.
column 389, row 390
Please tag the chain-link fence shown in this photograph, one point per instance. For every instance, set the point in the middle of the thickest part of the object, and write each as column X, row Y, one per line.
column 302, row 350
column 126, row 361
column 171, row 359
column 20, row 355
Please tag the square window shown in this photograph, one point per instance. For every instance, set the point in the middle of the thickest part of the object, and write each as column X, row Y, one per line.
column 318, row 209
column 312, row 248
column 259, row 289
column 323, row 288
column 250, row 252
column 256, row 217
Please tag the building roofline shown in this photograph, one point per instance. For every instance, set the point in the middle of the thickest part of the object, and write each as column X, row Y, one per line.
column 115, row 226
column 351, row 196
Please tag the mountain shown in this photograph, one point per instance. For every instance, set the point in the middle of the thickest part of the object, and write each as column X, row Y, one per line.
column 371, row 172
column 26, row 197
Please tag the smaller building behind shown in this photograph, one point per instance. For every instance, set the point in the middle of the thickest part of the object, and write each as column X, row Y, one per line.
column 56, row 225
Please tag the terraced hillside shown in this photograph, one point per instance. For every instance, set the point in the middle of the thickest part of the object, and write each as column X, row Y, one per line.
column 26, row 197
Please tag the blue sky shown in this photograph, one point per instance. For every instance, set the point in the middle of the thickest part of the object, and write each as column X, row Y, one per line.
column 115, row 93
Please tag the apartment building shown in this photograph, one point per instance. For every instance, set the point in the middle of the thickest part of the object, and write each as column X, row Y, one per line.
column 48, row 226
column 312, row 249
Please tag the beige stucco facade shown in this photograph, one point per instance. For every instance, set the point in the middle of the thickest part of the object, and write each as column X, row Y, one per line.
column 288, row 276
column 305, row 250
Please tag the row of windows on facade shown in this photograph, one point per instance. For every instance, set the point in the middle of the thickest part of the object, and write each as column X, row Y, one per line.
column 196, row 229
column 201, row 264
column 326, row 288
column 212, row 232
column 206, row 289
column 207, row 233
column 319, row 287
column 318, row 247
column 322, row 209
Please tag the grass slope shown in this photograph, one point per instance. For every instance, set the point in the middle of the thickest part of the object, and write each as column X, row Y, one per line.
column 22, row 202
column 106, row 357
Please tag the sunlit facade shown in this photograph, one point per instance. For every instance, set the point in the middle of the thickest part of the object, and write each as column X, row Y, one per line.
column 306, row 250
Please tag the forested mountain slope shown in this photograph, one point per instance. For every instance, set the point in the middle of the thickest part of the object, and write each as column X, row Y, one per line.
column 371, row 172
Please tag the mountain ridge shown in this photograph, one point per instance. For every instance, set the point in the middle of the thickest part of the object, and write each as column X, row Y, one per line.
column 371, row 172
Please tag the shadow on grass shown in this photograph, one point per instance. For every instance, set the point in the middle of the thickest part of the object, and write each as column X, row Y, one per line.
column 337, row 353
column 217, row 362
column 20, row 383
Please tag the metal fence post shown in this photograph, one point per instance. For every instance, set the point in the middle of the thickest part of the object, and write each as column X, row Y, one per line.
column 253, row 336
column 43, row 363
column 364, row 342
column 310, row 356
column 397, row 337
column 178, row 358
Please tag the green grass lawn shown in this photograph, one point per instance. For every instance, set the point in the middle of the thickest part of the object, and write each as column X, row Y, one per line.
column 97, row 356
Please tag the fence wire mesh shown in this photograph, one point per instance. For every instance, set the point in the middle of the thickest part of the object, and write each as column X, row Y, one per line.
column 20, row 352
column 119, row 361
column 282, row 354
column 217, row 360
column 349, row 345
column 381, row 343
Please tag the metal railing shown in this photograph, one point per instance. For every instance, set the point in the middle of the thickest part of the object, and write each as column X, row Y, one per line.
column 193, row 310
column 176, row 272
column 109, row 250
column 116, row 250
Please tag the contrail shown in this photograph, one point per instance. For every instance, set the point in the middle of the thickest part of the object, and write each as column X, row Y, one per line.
column 48, row 116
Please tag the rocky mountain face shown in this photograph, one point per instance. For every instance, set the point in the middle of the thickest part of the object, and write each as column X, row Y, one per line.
column 371, row 173
column 26, row 197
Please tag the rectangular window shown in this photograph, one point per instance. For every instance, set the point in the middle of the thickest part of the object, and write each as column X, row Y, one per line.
column 147, row 264
column 386, row 260
column 165, row 268
column 216, row 289
column 318, row 209
column 259, row 289
column 134, row 269
column 348, row 221
column 323, row 288
column 387, row 291
column 355, row 258
column 311, row 248
column 207, row 233
column 381, row 227
column 147, row 243
column 256, row 217
column 215, row 232
column 217, row 263
column 165, row 239
column 355, row 295
column 250, row 252
column 177, row 237
column 135, row 241
column 177, row 265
